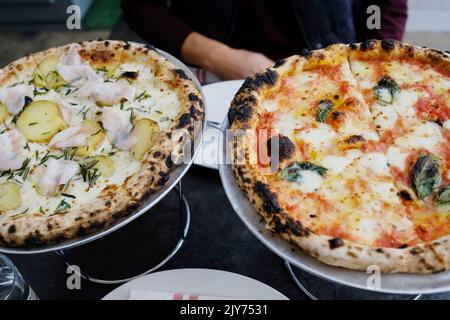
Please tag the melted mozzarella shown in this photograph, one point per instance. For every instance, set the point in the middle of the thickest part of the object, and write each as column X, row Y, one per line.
column 404, row 104
column 425, row 135
column 384, row 117
column 446, row 125
column 12, row 153
column 319, row 138
column 118, row 128
column 107, row 92
column 73, row 69
column 309, row 181
column 396, row 157
column 58, row 172
column 14, row 97
column 375, row 161
column 337, row 164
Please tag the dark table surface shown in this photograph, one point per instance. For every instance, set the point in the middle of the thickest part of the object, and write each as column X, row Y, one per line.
column 217, row 239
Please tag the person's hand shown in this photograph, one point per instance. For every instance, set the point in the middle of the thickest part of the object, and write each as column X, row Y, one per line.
column 220, row 59
column 231, row 64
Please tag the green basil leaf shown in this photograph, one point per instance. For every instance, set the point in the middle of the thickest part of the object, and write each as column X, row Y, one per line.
column 444, row 195
column 426, row 175
column 324, row 108
column 292, row 171
column 385, row 90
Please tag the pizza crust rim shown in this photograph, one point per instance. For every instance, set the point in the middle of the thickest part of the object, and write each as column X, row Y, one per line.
column 423, row 258
column 114, row 202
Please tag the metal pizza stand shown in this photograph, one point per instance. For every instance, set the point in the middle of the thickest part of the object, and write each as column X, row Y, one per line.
column 172, row 185
column 403, row 284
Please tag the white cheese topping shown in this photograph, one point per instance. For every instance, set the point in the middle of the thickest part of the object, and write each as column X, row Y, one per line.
column 319, row 138
column 424, row 135
column 309, row 181
column 446, row 125
column 375, row 161
column 396, row 157
column 404, row 104
column 384, row 117
column 336, row 164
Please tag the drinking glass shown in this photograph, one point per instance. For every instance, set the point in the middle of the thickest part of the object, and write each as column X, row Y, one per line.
column 12, row 284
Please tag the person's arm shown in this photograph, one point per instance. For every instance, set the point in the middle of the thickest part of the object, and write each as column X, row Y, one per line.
column 222, row 60
column 394, row 14
column 154, row 22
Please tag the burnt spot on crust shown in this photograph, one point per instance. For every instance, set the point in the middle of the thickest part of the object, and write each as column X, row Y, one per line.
column 388, row 44
column 185, row 119
column 157, row 154
column 286, row 147
column 296, row 228
column 12, row 229
column 164, row 178
column 169, row 162
column 193, row 97
column 33, row 241
column 127, row 46
column 106, row 43
column 354, row 139
column 367, row 45
column 279, row 63
column 181, row 74
column 305, row 52
column 416, row 251
column 133, row 75
column 335, row 243
column 270, row 201
column 268, row 77
column 405, row 195
column 244, row 113
column 353, row 46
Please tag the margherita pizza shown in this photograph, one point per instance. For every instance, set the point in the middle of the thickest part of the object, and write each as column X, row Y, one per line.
column 86, row 131
column 364, row 156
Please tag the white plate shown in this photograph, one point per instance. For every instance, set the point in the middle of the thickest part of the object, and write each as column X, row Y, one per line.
column 205, row 282
column 218, row 97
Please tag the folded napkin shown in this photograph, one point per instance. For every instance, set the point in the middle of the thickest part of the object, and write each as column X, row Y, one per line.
column 158, row 295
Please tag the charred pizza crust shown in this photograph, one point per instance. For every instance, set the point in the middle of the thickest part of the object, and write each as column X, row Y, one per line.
column 245, row 112
column 115, row 201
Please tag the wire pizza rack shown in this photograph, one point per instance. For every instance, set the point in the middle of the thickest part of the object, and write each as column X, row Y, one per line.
column 185, row 219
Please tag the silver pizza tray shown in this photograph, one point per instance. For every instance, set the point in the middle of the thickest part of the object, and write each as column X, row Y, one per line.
column 389, row 283
column 144, row 206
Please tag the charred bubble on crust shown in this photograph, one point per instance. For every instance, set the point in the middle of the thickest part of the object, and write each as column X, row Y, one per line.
column 169, row 162
column 353, row 46
column 268, row 77
column 367, row 45
column 126, row 46
column 388, row 44
column 181, row 74
column 286, row 147
column 12, row 229
column 305, row 52
column 279, row 63
column 416, row 251
column 193, row 97
column 106, row 43
column 33, row 241
column 335, row 243
column 405, row 195
column 297, row 228
column 164, row 178
column 185, row 119
column 243, row 113
column 270, row 201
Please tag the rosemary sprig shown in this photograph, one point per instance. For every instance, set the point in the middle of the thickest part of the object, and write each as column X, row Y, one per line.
column 62, row 206
column 89, row 173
